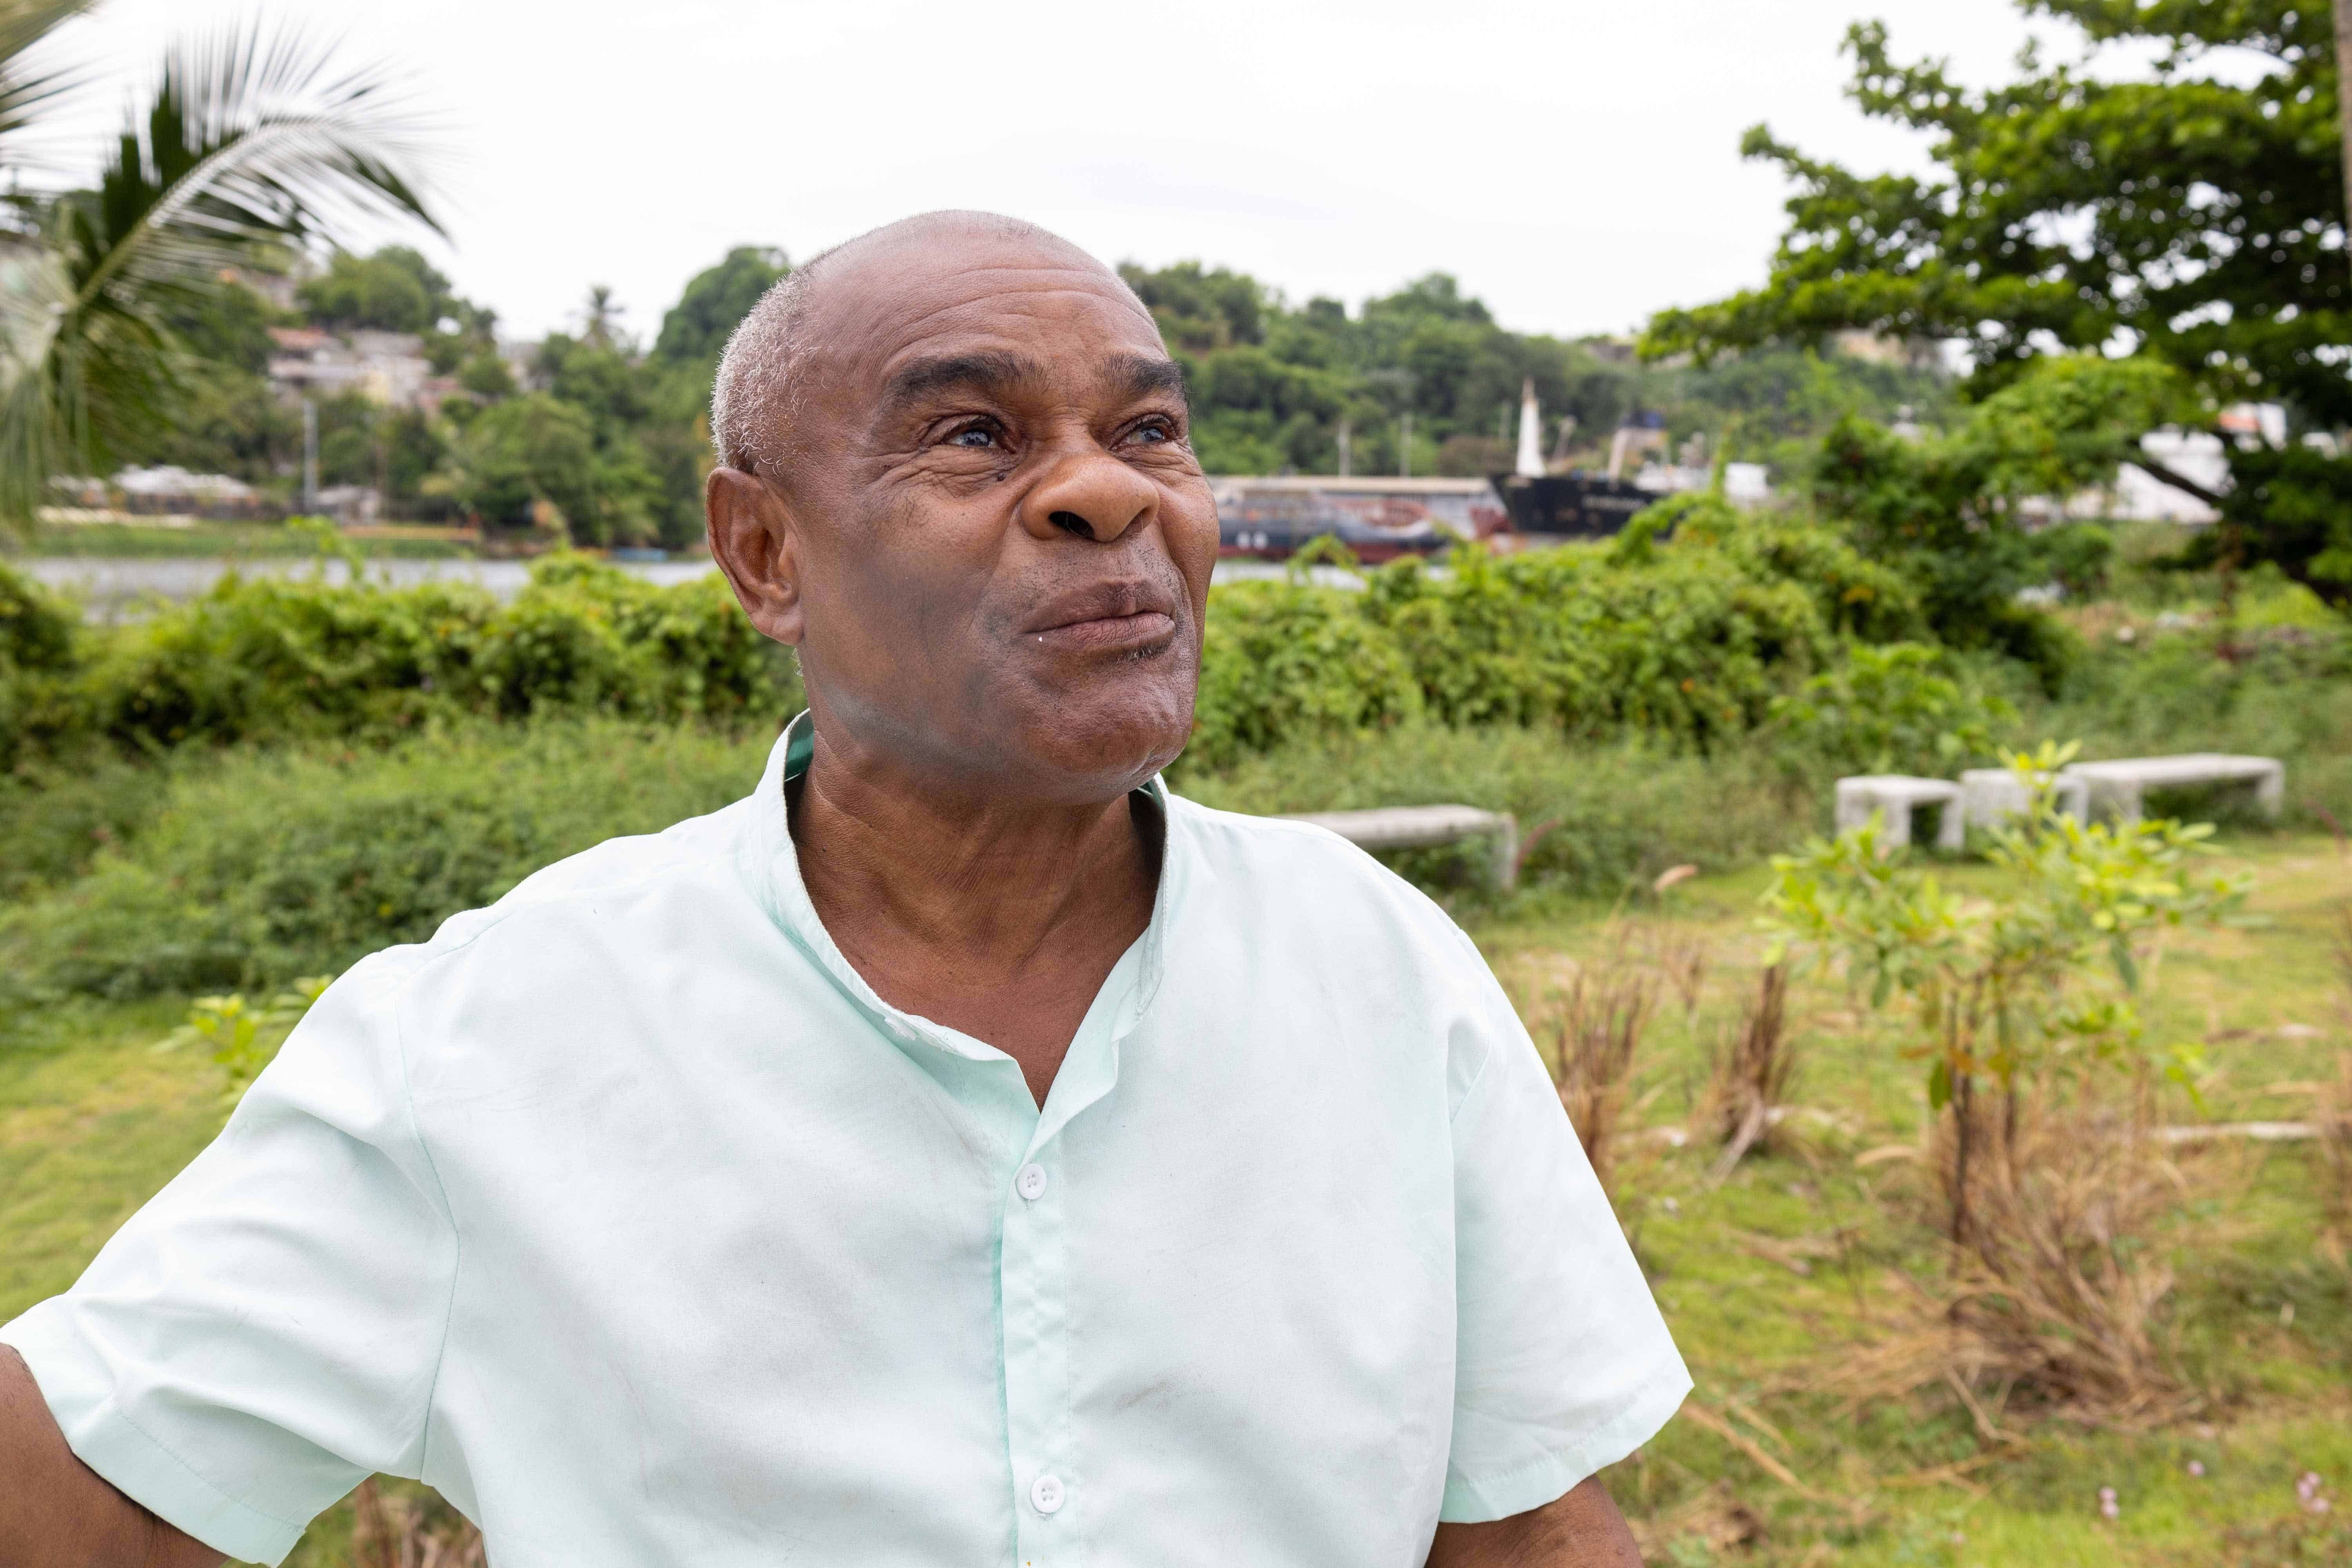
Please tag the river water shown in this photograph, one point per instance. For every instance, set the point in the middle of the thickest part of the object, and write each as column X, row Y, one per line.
column 125, row 588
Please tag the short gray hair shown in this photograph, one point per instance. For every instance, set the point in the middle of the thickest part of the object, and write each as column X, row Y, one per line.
column 757, row 393
column 755, row 374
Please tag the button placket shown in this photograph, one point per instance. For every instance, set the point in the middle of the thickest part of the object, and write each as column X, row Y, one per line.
column 1034, row 1282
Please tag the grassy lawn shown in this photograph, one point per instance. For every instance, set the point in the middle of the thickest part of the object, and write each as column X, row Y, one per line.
column 1769, row 1278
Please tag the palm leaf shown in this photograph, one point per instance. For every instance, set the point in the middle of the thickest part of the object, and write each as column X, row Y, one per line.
column 25, row 87
column 249, row 141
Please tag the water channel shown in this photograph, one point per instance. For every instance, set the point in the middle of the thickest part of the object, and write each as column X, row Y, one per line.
column 118, row 588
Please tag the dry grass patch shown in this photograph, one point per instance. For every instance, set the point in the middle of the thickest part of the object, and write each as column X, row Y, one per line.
column 1594, row 1029
column 1750, row 1072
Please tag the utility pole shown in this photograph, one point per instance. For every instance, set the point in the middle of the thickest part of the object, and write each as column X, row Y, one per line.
column 1347, row 433
column 1404, row 441
column 310, row 457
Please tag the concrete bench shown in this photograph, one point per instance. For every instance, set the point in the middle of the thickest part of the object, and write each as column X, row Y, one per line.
column 2120, row 788
column 1421, row 827
column 1898, row 795
column 1990, row 797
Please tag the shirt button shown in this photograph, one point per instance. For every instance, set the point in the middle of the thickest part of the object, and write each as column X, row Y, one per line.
column 1031, row 1185
column 1046, row 1493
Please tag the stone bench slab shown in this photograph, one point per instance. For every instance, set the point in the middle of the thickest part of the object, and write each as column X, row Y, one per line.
column 1990, row 797
column 1424, row 826
column 2119, row 787
column 1898, row 795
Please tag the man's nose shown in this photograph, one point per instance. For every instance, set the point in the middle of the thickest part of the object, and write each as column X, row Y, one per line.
column 1091, row 494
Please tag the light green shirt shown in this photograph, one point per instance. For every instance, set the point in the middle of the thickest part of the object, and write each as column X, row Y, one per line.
column 626, row 1215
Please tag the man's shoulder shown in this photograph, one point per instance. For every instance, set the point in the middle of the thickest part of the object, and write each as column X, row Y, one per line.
column 695, row 859
column 1279, row 867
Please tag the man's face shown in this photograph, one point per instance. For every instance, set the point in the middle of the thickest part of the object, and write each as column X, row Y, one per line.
column 1000, row 538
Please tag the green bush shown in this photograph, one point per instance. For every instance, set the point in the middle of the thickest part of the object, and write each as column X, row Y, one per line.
column 274, row 657
column 1691, row 639
column 39, row 643
column 1284, row 659
column 58, row 814
column 1688, row 641
column 278, row 863
column 1904, row 708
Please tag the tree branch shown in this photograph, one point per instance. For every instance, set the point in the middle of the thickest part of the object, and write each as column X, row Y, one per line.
column 2165, row 475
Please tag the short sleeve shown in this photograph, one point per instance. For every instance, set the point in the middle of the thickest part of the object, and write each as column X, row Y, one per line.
column 264, row 1334
column 1563, row 1364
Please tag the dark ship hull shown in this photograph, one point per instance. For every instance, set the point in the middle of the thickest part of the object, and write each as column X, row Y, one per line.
column 1574, row 505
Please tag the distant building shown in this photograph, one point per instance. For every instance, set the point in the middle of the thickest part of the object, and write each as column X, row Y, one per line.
column 384, row 367
column 165, row 491
column 2198, row 455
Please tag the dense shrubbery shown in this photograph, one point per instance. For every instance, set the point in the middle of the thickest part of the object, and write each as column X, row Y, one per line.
column 271, row 656
column 271, row 864
column 249, row 866
column 1688, row 642
column 1691, row 641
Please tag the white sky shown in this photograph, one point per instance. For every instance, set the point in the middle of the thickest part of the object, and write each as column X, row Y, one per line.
column 1574, row 163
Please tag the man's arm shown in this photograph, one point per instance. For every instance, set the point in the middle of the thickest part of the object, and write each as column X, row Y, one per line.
column 1580, row 1530
column 57, row 1513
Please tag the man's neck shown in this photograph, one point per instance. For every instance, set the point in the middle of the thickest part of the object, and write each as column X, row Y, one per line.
column 1000, row 919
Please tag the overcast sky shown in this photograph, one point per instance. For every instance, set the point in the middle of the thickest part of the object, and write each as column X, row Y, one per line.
column 1574, row 163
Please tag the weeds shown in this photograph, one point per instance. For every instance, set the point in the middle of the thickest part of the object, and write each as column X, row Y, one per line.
column 1596, row 1027
column 2013, row 993
column 1751, row 1073
column 234, row 1029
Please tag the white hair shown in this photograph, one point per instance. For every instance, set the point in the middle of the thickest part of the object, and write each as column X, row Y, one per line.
column 757, row 391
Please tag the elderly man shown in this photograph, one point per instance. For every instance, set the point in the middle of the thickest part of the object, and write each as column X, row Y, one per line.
column 960, row 1152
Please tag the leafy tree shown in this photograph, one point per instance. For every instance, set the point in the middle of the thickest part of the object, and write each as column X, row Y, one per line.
column 2183, row 217
column 526, row 449
column 485, row 375
column 394, row 290
column 244, row 144
column 1946, row 508
column 1201, row 310
column 694, row 330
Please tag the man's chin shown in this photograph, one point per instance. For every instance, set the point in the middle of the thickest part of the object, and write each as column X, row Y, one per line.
column 1104, row 738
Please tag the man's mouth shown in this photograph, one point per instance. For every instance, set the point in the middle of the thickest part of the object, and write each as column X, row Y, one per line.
column 1113, row 618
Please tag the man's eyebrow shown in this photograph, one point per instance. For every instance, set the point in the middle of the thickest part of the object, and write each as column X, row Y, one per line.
column 1141, row 377
column 985, row 372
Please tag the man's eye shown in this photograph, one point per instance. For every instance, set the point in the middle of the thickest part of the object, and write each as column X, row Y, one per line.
column 976, row 437
column 1153, row 431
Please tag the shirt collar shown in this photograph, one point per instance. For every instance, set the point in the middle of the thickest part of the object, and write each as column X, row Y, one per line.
column 772, row 868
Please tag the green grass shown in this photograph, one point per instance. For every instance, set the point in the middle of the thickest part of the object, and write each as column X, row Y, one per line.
column 1724, row 1261
column 91, row 1122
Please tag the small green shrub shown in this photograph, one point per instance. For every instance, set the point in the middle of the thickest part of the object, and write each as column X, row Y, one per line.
column 39, row 643
column 243, row 1036
column 302, row 657
column 278, row 863
column 1282, row 659
column 58, row 814
column 1902, row 708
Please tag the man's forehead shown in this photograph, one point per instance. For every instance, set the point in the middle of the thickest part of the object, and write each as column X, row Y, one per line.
column 923, row 301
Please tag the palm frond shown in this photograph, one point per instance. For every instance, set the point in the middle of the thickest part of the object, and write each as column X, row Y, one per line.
column 27, row 87
column 252, row 138
column 250, row 141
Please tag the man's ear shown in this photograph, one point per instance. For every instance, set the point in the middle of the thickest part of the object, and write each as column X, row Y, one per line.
column 754, row 540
